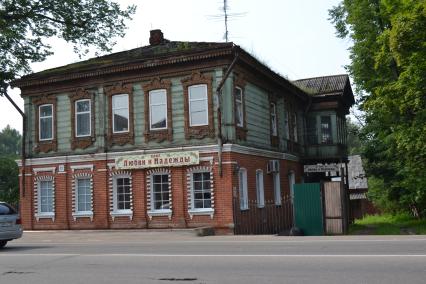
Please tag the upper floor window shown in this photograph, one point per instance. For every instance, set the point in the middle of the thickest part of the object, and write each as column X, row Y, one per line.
column 46, row 122
column 326, row 130
column 294, row 121
column 312, row 130
column 120, row 113
column 274, row 129
column 198, row 105
column 158, row 109
column 287, row 125
column 83, row 114
column 239, row 109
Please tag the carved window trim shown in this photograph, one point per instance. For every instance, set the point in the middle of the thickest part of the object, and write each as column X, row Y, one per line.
column 161, row 134
column 125, row 137
column 45, row 145
column 274, row 137
column 84, row 141
column 198, row 132
column 241, row 131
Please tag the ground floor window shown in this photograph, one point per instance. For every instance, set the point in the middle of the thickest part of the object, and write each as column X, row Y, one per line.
column 277, row 188
column 83, row 195
column 160, row 198
column 201, row 190
column 243, row 191
column 46, row 197
column 260, row 189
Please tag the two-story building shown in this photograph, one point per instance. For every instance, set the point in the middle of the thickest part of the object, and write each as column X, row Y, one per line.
column 169, row 135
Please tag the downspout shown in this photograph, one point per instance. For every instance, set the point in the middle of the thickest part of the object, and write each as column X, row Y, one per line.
column 24, row 134
column 219, row 111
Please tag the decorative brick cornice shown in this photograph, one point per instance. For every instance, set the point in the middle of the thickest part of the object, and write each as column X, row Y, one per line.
column 241, row 132
column 82, row 142
column 49, row 145
column 120, row 138
column 198, row 132
column 163, row 134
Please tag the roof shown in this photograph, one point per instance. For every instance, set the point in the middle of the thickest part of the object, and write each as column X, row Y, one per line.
column 149, row 55
column 334, row 84
column 357, row 177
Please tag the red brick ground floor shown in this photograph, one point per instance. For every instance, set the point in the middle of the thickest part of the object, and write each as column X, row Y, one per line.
column 89, row 192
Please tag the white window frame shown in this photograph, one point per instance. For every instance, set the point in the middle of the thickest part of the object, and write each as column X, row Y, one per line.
column 274, row 126
column 206, row 105
column 45, row 117
column 192, row 193
column 77, row 211
column 153, row 210
column 83, row 112
column 240, row 102
column 114, row 109
column 49, row 214
column 153, row 92
column 295, row 132
column 276, row 180
column 243, row 190
column 117, row 211
column 291, row 183
column 260, row 191
column 287, row 126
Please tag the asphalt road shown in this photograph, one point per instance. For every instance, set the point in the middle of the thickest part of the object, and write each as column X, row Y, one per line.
column 180, row 257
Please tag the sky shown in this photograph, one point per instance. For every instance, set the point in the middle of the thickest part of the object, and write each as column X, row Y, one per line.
column 293, row 37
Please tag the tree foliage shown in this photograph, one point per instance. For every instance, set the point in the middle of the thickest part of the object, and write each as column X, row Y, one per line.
column 388, row 65
column 10, row 142
column 25, row 26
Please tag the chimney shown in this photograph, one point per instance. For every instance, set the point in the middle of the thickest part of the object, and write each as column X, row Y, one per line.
column 156, row 37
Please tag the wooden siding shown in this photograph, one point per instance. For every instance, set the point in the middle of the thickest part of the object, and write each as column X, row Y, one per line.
column 63, row 116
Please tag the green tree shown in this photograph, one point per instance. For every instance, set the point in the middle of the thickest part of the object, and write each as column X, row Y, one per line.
column 388, row 65
column 10, row 142
column 25, row 25
column 9, row 187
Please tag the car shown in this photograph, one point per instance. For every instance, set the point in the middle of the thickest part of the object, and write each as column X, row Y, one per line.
column 10, row 224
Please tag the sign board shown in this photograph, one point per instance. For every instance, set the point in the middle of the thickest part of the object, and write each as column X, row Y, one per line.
column 173, row 159
column 321, row 168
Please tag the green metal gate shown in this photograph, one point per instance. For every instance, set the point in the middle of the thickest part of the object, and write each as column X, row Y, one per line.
column 308, row 209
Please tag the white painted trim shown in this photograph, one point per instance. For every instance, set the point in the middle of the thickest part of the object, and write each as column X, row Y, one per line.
column 45, row 216
column 207, row 159
column 102, row 170
column 82, row 167
column 164, row 212
column 49, row 169
column 194, row 212
column 202, row 149
column 83, row 215
column 122, row 213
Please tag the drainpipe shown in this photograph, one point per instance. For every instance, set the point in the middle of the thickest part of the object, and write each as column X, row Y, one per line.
column 219, row 110
column 24, row 134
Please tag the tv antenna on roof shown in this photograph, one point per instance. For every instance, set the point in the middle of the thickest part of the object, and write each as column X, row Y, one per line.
column 226, row 16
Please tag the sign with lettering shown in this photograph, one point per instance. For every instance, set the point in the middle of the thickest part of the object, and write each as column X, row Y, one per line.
column 321, row 168
column 173, row 159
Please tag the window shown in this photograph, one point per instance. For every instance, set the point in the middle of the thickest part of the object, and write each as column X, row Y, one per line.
column 291, row 182
column 287, row 126
column 277, row 188
column 198, row 105
column 83, row 195
column 294, row 121
column 242, row 179
column 120, row 113
column 160, row 199
column 326, row 130
column 239, row 108
column 312, row 130
column 201, row 191
column 158, row 109
column 82, row 118
column 46, row 197
column 274, row 131
column 122, row 196
column 46, row 122
column 259, row 189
